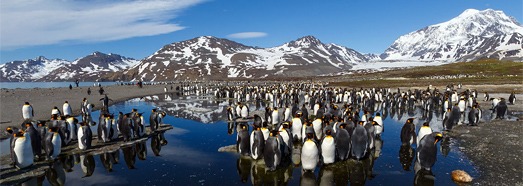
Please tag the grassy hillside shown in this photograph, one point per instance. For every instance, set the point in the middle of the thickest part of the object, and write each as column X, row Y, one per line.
column 480, row 72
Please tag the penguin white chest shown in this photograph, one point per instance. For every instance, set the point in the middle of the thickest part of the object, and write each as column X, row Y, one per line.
column 328, row 149
column 81, row 134
column 57, row 144
column 23, row 152
column 309, row 155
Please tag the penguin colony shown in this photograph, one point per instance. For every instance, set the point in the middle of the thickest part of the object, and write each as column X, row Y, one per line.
column 38, row 140
column 344, row 123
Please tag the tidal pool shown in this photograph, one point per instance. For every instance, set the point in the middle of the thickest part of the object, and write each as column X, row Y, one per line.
column 188, row 154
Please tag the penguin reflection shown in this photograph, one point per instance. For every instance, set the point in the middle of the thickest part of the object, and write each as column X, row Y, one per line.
column 87, row 164
column 357, row 174
column 327, row 175
column 230, row 127
column 67, row 162
column 115, row 156
column 105, row 158
column 157, row 141
column 445, row 145
column 423, row 177
column 406, row 156
column 280, row 176
column 308, row 178
column 34, row 181
column 56, row 174
column 243, row 165
column 141, row 149
column 129, row 155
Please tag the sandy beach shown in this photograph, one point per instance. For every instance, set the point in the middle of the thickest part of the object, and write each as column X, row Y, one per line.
column 44, row 99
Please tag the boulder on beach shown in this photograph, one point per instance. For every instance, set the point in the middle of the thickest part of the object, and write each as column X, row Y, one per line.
column 461, row 176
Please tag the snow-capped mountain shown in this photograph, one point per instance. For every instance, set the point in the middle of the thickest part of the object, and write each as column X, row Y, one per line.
column 91, row 67
column 472, row 35
column 209, row 57
column 29, row 70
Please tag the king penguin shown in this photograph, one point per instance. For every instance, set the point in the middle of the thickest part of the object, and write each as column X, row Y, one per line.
column 328, row 148
column 359, row 141
column 85, row 136
column 67, row 109
column 53, row 144
column 408, row 133
column 309, row 153
column 242, row 139
column 257, row 142
column 501, row 109
column 27, row 111
column 424, row 130
column 34, row 138
column 426, row 151
column 379, row 128
column 343, row 143
column 272, row 152
column 23, row 150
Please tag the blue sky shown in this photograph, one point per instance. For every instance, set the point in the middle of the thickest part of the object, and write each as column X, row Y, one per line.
column 70, row 29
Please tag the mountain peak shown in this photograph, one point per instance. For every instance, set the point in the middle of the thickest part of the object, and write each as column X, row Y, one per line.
column 305, row 41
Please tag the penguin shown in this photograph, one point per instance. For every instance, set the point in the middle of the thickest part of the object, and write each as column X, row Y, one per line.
column 11, row 131
column 328, row 148
column 272, row 153
column 42, row 132
column 238, row 109
column 53, row 143
column 23, row 150
column 426, row 151
column 408, row 133
column 343, row 143
column 359, row 141
column 318, row 125
column 67, row 109
column 461, row 105
column 257, row 142
column 245, row 111
column 309, row 153
column 102, row 128
column 296, row 127
column 56, row 111
column 153, row 118
column 486, row 96
column 424, row 130
column 501, row 110
column 27, row 111
column 287, row 114
column 230, row 114
column 286, row 139
column 512, row 98
column 73, row 127
column 307, row 128
column 265, row 130
column 275, row 116
column 139, row 126
column 34, row 137
column 242, row 140
column 124, row 125
column 371, row 132
column 85, row 136
column 258, row 121
column 474, row 116
column 379, row 127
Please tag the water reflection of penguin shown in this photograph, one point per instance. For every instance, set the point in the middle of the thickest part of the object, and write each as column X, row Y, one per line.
column 296, row 154
column 424, row 178
column 406, row 155
column 67, row 162
column 141, row 150
column 115, row 156
column 156, row 147
column 87, row 164
column 445, row 145
column 106, row 161
column 243, row 166
column 308, row 178
column 377, row 148
column 326, row 175
column 357, row 175
column 341, row 173
column 129, row 155
column 56, row 174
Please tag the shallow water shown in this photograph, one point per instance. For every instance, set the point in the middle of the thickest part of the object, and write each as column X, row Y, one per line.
column 190, row 156
column 14, row 85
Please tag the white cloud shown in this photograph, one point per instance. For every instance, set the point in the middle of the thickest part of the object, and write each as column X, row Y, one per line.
column 41, row 22
column 245, row 35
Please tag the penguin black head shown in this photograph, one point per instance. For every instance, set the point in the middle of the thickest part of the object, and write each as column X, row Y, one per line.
column 273, row 133
column 134, row 110
column 54, row 116
column 10, row 130
column 154, row 110
column 82, row 124
column 19, row 134
column 378, row 114
column 26, row 103
column 85, row 99
column 410, row 120
column 66, row 102
column 285, row 125
column 375, row 123
column 361, row 123
column 328, row 132
column 437, row 137
column 309, row 136
column 371, row 118
column 28, row 124
column 55, row 107
column 426, row 124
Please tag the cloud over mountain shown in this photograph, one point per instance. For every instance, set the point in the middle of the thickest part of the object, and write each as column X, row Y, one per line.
column 43, row 22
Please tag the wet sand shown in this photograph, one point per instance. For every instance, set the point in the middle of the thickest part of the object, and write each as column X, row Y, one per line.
column 44, row 99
